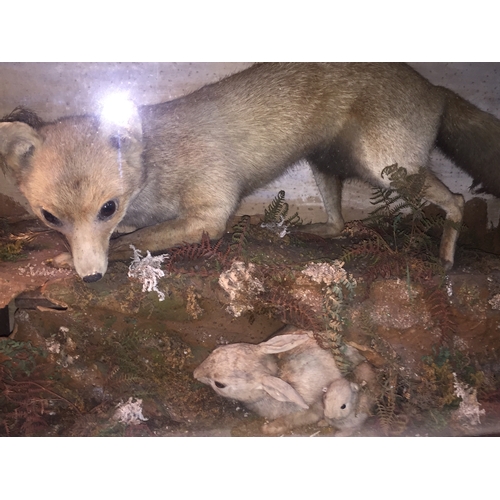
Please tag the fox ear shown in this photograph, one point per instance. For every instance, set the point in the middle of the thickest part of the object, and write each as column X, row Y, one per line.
column 17, row 143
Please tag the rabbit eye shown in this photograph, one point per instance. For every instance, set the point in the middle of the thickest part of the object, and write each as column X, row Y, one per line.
column 343, row 407
column 219, row 385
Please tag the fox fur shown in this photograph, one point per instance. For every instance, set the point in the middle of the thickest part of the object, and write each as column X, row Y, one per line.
column 181, row 167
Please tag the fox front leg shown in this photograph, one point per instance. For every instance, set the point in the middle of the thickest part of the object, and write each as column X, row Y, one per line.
column 160, row 237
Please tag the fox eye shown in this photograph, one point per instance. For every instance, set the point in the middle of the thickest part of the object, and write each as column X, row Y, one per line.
column 343, row 407
column 51, row 219
column 219, row 385
column 107, row 210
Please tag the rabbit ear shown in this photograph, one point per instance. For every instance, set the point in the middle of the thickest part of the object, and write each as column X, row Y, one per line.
column 281, row 391
column 282, row 343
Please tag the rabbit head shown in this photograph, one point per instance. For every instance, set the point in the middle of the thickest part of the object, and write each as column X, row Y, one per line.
column 248, row 373
column 341, row 400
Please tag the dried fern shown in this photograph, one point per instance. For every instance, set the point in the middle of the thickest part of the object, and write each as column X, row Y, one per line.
column 396, row 236
column 289, row 309
column 390, row 417
column 442, row 312
column 403, row 201
column 121, row 382
column 26, row 403
column 392, row 423
column 239, row 237
column 193, row 251
column 436, row 389
column 338, row 284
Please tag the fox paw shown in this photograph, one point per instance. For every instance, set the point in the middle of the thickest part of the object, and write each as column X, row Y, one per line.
column 325, row 230
column 63, row 261
column 119, row 249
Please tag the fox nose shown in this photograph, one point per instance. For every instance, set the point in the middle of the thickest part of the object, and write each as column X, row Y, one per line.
column 92, row 277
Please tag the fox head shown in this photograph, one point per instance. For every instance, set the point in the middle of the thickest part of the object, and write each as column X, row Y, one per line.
column 79, row 175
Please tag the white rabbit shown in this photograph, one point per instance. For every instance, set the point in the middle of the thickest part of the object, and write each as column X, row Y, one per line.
column 283, row 379
column 346, row 404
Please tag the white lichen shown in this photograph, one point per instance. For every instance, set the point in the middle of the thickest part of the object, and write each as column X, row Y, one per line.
column 280, row 228
column 449, row 286
column 193, row 307
column 241, row 286
column 53, row 346
column 495, row 301
column 60, row 344
column 460, row 344
column 129, row 413
column 147, row 271
column 329, row 274
column 469, row 410
column 32, row 270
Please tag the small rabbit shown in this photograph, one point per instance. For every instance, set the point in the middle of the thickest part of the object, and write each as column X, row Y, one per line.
column 346, row 404
column 283, row 379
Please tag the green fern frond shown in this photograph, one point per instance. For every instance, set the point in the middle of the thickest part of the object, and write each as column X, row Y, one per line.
column 278, row 207
column 294, row 220
column 277, row 212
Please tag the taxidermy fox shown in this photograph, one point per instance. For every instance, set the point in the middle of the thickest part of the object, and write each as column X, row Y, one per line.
column 173, row 170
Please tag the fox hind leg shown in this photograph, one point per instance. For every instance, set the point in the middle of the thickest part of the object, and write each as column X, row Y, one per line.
column 330, row 188
column 453, row 204
column 330, row 165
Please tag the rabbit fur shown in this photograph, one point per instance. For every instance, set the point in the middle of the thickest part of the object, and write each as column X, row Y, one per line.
column 282, row 379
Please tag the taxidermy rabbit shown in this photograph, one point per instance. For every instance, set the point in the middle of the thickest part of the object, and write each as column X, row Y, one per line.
column 283, row 379
column 347, row 404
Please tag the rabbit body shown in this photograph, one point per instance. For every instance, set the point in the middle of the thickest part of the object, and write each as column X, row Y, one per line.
column 283, row 379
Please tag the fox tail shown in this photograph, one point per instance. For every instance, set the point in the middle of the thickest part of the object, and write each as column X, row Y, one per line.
column 471, row 139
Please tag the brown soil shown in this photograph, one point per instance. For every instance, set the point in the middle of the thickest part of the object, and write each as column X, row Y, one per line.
column 78, row 351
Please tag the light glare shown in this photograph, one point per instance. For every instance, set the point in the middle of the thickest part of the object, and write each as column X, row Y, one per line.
column 118, row 109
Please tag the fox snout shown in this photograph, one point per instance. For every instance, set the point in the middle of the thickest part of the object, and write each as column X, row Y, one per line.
column 92, row 277
column 90, row 254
